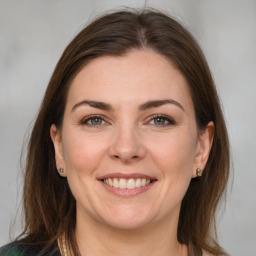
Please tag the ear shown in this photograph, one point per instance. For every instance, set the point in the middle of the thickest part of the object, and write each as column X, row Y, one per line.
column 55, row 134
column 203, row 149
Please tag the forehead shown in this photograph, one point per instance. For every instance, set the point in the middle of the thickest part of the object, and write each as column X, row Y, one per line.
column 140, row 75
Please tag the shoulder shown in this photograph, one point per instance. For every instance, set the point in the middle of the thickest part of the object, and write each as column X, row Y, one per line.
column 11, row 249
column 18, row 248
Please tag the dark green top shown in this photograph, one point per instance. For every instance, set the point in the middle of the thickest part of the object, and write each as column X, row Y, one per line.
column 21, row 249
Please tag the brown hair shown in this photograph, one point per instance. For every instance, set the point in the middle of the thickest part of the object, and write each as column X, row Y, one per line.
column 49, row 206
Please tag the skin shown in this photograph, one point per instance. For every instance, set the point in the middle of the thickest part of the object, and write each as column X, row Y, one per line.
column 130, row 140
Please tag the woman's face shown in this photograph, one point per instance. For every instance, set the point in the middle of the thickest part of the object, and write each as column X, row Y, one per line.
column 129, row 144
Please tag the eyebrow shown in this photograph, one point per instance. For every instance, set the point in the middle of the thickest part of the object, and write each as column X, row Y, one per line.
column 158, row 103
column 142, row 107
column 93, row 104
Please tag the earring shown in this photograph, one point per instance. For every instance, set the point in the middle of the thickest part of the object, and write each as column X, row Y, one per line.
column 61, row 170
column 198, row 172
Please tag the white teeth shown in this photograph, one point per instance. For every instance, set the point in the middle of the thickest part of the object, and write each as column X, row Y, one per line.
column 115, row 183
column 138, row 183
column 126, row 183
column 131, row 184
column 122, row 183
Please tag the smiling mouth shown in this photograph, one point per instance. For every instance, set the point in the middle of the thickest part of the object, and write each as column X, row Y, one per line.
column 131, row 183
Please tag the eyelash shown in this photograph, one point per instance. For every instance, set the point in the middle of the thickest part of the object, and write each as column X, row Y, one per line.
column 165, row 118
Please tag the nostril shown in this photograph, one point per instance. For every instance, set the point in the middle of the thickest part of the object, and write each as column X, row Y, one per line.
column 126, row 159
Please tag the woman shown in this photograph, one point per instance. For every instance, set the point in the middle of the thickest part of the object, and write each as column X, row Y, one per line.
column 129, row 154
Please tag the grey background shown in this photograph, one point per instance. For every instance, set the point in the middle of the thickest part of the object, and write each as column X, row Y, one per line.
column 33, row 35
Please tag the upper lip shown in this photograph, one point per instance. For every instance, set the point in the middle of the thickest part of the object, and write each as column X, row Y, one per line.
column 126, row 176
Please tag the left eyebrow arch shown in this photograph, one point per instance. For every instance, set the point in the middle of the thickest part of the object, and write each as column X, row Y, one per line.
column 158, row 103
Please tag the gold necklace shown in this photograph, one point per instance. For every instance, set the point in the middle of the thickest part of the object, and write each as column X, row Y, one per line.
column 63, row 245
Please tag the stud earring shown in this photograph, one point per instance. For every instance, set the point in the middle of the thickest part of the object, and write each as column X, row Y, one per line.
column 198, row 172
column 61, row 170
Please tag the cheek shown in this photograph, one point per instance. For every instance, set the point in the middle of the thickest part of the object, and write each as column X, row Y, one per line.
column 174, row 156
column 82, row 153
column 174, row 153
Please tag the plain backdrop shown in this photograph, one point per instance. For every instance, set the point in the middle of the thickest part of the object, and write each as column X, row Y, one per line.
column 33, row 35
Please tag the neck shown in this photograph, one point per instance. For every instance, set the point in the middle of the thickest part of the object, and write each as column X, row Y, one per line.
column 97, row 239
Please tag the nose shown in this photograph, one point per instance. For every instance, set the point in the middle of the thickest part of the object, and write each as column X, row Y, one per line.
column 127, row 145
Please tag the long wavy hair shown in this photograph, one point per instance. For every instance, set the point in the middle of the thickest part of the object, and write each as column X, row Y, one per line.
column 49, row 206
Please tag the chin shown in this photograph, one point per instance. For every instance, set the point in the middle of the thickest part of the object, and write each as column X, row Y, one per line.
column 128, row 224
column 128, row 220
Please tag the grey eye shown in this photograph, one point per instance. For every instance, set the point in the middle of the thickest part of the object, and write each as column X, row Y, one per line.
column 93, row 121
column 96, row 121
column 161, row 120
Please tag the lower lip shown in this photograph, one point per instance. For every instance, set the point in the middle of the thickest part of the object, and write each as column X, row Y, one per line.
column 128, row 192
